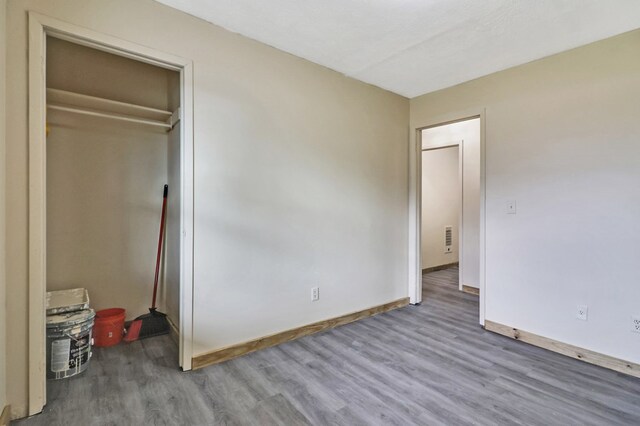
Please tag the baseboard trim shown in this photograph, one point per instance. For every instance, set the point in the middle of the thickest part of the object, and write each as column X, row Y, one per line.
column 440, row 267
column 240, row 349
column 5, row 418
column 576, row 352
column 471, row 290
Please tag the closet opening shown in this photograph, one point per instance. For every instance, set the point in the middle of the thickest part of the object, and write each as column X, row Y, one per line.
column 110, row 123
column 112, row 143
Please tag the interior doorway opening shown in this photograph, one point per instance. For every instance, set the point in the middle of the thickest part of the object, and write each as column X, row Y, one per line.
column 450, row 202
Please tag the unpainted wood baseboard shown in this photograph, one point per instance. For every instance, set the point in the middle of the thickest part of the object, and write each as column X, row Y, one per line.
column 440, row 267
column 240, row 349
column 576, row 352
column 5, row 417
column 470, row 290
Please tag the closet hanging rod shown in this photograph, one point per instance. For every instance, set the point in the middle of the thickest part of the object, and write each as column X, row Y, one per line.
column 108, row 115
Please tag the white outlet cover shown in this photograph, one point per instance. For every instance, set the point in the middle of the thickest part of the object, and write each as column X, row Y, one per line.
column 582, row 312
column 635, row 324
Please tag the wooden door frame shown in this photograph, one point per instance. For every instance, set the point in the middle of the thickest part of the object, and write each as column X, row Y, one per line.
column 415, row 203
column 41, row 26
column 460, row 145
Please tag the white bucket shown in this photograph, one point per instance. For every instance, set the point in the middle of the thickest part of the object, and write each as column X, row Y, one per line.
column 69, row 343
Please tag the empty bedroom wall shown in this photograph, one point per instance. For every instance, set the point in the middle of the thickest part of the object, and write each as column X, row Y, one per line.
column 562, row 142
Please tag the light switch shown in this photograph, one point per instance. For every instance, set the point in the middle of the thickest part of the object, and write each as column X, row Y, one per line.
column 511, row 207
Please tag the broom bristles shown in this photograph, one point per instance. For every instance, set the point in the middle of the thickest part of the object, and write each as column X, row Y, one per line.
column 149, row 325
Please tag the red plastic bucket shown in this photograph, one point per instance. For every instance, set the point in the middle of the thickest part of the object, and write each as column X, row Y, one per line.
column 108, row 327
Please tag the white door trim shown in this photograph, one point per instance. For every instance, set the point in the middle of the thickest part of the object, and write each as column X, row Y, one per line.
column 41, row 26
column 415, row 202
column 460, row 145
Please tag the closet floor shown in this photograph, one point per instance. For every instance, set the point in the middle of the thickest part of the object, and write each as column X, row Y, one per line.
column 429, row 364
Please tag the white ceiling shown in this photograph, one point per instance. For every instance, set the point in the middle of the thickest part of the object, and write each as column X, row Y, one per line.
column 413, row 47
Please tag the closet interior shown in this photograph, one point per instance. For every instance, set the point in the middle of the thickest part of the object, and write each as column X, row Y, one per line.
column 113, row 142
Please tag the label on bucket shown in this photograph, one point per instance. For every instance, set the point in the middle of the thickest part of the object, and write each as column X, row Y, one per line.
column 79, row 352
column 60, row 350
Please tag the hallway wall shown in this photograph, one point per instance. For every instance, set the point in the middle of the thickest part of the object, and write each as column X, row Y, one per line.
column 440, row 205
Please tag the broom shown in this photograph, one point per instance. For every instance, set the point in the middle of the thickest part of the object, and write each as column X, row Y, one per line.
column 154, row 323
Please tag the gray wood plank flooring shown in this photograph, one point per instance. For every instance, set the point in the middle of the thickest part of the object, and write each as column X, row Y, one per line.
column 427, row 365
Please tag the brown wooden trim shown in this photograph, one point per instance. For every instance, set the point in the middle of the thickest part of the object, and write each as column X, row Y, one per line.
column 240, row 349
column 440, row 267
column 471, row 290
column 5, row 418
column 576, row 352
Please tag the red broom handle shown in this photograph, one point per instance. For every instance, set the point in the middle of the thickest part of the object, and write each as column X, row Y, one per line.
column 155, row 280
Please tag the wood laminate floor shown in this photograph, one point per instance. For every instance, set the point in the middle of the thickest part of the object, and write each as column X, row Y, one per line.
column 428, row 365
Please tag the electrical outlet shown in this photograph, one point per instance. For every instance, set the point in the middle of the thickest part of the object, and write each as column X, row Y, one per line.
column 582, row 312
column 315, row 294
column 635, row 324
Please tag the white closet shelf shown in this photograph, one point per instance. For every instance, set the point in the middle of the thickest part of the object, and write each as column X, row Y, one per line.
column 63, row 100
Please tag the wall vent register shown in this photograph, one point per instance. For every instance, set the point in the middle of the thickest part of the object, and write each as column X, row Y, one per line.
column 448, row 239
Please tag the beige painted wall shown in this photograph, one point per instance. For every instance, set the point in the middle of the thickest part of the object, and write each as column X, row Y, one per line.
column 171, row 281
column 468, row 133
column 104, row 181
column 93, row 72
column 440, row 205
column 3, row 303
column 300, row 177
column 562, row 141
column 171, row 288
column 104, row 193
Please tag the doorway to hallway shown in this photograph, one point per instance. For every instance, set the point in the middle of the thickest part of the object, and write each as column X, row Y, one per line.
column 450, row 201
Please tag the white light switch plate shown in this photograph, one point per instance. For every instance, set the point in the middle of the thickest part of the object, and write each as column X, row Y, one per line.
column 510, row 207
